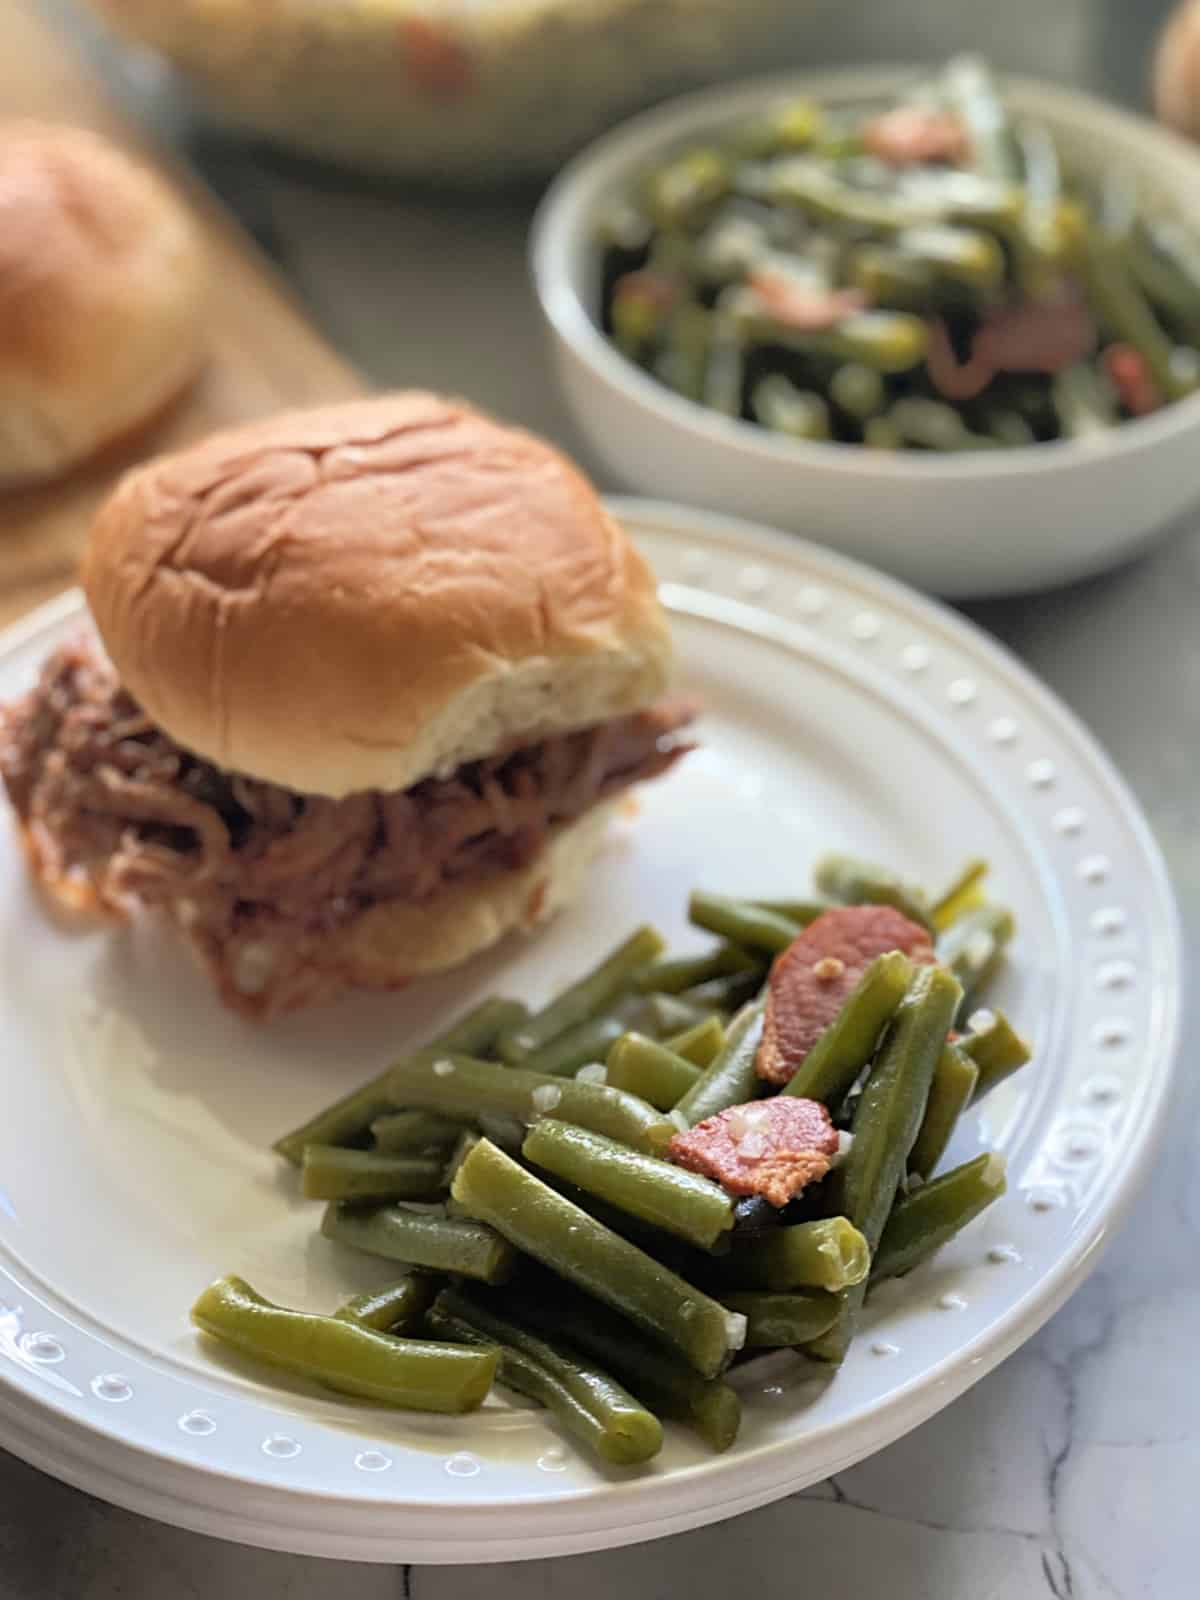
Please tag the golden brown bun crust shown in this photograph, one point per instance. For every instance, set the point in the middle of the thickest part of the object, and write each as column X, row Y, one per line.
column 358, row 596
column 102, row 287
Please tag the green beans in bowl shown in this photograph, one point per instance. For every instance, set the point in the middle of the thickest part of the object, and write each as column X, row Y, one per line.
column 947, row 323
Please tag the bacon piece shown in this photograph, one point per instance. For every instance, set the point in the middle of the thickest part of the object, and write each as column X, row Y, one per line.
column 807, row 310
column 773, row 1147
column 1035, row 336
column 815, row 976
column 1130, row 374
column 914, row 134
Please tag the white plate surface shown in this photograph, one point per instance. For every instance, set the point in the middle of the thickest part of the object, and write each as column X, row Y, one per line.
column 842, row 710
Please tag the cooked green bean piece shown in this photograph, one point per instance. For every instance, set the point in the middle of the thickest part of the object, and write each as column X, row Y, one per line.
column 414, row 1133
column 1122, row 305
column 881, row 433
column 683, row 193
column 620, row 225
column 422, row 1239
column 792, row 125
column 829, row 1070
column 799, row 413
column 680, row 1202
column 729, row 993
column 328, row 1172
column 347, row 1119
column 731, row 1080
column 682, row 359
column 830, row 1254
column 672, row 975
column 933, row 425
column 587, row 1041
column 858, row 391
column 1041, row 243
column 890, row 342
column 956, row 258
column 726, row 370
column 801, row 912
column 995, row 1047
column 954, row 1080
column 890, row 278
column 643, row 1067
column 466, row 1142
column 699, row 1045
column 852, row 882
column 742, row 921
column 926, row 1219
column 952, row 197
column 1166, row 260
column 456, row 1084
column 570, row 1242
column 344, row 1355
column 1006, row 428
column 973, row 948
column 960, row 896
column 672, row 1390
column 399, row 1306
column 1084, row 401
column 776, row 1320
column 588, row 997
column 886, row 1123
column 591, row 1406
column 972, row 93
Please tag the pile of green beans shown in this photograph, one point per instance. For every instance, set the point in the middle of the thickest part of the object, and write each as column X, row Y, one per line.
column 513, row 1177
column 826, row 273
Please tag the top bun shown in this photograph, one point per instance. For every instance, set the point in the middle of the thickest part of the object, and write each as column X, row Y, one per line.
column 361, row 596
column 102, row 281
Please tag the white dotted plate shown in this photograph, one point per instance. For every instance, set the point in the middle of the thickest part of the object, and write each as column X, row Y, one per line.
column 843, row 711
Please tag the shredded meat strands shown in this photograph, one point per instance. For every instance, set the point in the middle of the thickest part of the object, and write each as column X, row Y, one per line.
column 116, row 814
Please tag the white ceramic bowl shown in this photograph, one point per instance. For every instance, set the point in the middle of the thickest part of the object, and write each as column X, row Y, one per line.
column 961, row 526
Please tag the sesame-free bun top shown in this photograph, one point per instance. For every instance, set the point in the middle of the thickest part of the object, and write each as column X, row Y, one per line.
column 360, row 596
column 102, row 288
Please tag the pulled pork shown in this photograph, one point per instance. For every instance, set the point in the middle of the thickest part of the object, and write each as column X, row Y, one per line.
column 116, row 814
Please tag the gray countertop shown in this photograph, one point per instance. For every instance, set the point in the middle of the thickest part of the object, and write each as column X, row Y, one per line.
column 1071, row 1471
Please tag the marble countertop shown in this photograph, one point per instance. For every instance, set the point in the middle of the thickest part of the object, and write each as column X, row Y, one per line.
column 1070, row 1472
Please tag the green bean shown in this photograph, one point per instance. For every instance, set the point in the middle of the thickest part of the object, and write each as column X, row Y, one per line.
column 329, row 1172
column 926, row 1219
column 742, row 921
column 456, row 1084
column 890, row 342
column 414, row 1133
column 831, row 1067
column 466, row 1142
column 1041, row 243
column 995, row 1047
column 1122, row 305
column 957, row 197
column 683, row 192
column 881, row 433
column 588, row 997
column 589, row 1404
column 700, row 1044
column 681, row 1203
column 972, row 93
column 858, row 391
column 732, row 1078
column 1006, row 428
column 1085, row 402
column 801, row 912
column 648, row 1069
column 799, row 413
column 422, row 1239
column 641, row 305
column 672, row 975
column 587, row 1041
column 729, row 993
column 854, row 882
column 973, row 948
column 960, row 895
column 886, row 1123
column 344, row 1355
column 962, row 259
column 1165, row 258
column 620, row 225
column 347, row 1119
column 725, row 374
column 776, row 1320
column 954, row 1080
column 682, row 360
column 709, row 1406
column 933, row 425
column 889, row 277
column 400, row 1305
column 793, row 125
column 565, row 1238
column 829, row 1254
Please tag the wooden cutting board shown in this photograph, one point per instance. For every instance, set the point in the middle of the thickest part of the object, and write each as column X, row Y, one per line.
column 263, row 353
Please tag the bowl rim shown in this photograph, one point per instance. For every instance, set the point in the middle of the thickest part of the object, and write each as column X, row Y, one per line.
column 562, row 216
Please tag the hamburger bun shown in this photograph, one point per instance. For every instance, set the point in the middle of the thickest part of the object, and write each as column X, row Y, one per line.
column 365, row 595
column 102, row 281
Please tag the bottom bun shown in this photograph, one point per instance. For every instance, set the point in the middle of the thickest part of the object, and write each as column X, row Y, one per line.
column 396, row 941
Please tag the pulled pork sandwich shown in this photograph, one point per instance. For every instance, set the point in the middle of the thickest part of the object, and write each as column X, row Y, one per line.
column 362, row 686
